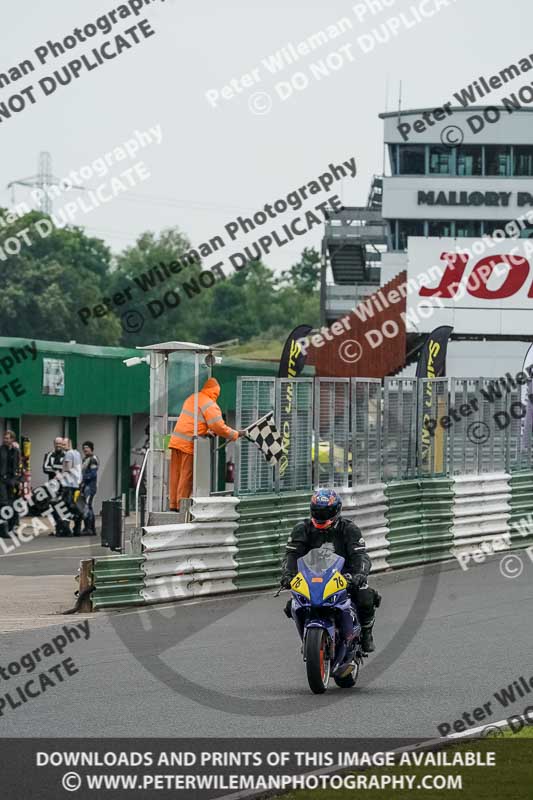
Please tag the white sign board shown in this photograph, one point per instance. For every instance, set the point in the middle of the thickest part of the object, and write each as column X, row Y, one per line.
column 479, row 286
column 421, row 197
column 54, row 377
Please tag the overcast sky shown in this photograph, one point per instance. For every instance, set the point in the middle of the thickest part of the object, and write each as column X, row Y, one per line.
column 216, row 163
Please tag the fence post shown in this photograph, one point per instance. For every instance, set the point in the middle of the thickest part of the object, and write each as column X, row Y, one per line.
column 277, row 419
column 86, row 581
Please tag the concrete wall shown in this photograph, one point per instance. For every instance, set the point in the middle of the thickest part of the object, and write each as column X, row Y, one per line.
column 510, row 129
column 102, row 431
column 472, row 359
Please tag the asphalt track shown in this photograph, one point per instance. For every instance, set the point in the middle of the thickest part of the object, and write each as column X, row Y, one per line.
column 231, row 666
column 50, row 555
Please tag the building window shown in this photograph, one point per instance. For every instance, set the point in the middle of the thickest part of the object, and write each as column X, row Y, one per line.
column 440, row 160
column 469, row 160
column 497, row 160
column 412, row 159
column 491, row 225
column 523, row 160
column 393, row 158
column 468, row 227
column 440, row 227
column 406, row 228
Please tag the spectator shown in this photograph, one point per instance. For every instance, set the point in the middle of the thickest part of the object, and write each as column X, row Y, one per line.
column 62, row 527
column 89, row 476
column 71, row 479
column 141, row 451
column 52, row 468
column 9, row 481
column 53, row 460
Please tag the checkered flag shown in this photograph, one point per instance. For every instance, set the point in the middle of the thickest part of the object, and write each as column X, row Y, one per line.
column 266, row 437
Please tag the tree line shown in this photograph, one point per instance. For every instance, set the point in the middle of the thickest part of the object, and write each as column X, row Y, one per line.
column 46, row 281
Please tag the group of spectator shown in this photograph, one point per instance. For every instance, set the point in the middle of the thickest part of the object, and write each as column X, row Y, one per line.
column 10, row 479
column 76, row 476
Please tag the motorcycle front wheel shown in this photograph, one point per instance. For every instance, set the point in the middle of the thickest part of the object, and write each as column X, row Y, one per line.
column 317, row 659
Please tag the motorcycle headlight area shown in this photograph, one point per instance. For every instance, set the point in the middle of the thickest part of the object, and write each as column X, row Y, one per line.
column 334, row 598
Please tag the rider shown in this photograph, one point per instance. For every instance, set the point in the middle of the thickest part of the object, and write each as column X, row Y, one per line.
column 327, row 525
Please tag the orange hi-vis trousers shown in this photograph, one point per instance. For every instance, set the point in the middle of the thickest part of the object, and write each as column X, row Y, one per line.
column 180, row 479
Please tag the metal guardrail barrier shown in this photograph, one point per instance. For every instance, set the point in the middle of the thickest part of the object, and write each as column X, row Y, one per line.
column 264, row 526
column 420, row 520
column 238, row 544
column 118, row 581
column 521, row 504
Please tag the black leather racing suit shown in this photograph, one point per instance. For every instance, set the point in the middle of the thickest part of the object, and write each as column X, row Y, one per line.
column 347, row 542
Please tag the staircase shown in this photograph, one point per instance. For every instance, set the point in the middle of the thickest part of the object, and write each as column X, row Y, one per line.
column 352, row 241
column 349, row 237
column 348, row 263
column 375, row 196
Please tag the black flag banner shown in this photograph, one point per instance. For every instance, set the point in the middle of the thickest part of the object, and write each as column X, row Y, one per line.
column 432, row 359
column 291, row 364
column 432, row 364
column 265, row 435
column 292, row 359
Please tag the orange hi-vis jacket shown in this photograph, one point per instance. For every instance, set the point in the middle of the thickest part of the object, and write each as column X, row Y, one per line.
column 209, row 418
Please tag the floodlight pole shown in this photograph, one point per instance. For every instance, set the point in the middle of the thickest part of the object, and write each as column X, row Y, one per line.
column 158, row 429
column 195, row 432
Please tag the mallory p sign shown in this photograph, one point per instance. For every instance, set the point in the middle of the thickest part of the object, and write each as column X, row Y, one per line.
column 484, row 286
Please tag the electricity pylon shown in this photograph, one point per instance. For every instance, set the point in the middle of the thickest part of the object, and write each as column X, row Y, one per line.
column 43, row 180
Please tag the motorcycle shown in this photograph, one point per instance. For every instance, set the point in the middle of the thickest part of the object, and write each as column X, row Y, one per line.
column 326, row 620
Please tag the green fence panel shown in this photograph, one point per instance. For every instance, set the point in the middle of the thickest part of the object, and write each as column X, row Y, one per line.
column 119, row 581
column 521, row 520
column 419, row 518
column 265, row 523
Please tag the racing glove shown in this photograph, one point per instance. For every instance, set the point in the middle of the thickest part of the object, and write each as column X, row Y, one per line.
column 358, row 580
column 285, row 581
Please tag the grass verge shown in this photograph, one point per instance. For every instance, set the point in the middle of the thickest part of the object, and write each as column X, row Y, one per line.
column 511, row 777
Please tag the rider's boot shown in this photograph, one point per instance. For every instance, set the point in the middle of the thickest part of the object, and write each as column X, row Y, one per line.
column 367, row 640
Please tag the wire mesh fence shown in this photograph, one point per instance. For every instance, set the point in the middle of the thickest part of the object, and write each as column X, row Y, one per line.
column 346, row 432
column 399, row 428
column 331, row 441
column 366, row 430
column 255, row 398
column 294, row 417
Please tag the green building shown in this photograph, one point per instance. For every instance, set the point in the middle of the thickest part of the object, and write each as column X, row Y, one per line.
column 50, row 389
column 85, row 392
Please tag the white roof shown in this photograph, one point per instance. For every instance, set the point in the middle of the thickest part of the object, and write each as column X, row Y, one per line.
column 171, row 347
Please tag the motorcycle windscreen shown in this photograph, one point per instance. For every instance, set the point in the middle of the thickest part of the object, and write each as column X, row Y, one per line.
column 322, row 559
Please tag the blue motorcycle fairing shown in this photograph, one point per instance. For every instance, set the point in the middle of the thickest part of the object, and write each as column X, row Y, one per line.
column 335, row 614
column 316, row 590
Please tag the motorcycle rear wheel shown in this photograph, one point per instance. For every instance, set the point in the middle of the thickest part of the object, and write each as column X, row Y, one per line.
column 317, row 660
